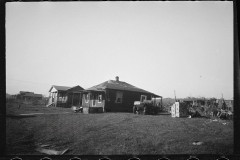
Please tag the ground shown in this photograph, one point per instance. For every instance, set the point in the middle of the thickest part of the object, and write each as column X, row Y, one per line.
column 113, row 133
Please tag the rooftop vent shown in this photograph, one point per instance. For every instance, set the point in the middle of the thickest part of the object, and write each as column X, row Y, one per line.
column 117, row 78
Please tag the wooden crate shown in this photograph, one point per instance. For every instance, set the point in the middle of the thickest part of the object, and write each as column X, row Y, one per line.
column 86, row 110
column 173, row 115
column 181, row 110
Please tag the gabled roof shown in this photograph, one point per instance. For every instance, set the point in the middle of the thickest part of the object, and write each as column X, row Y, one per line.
column 63, row 88
column 32, row 95
column 59, row 88
column 23, row 92
column 119, row 85
column 75, row 87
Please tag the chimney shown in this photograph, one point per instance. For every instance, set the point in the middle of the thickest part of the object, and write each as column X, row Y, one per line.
column 117, row 78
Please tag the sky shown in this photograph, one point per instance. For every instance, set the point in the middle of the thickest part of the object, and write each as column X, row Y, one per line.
column 157, row 46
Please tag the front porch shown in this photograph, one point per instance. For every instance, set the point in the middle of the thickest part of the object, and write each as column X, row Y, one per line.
column 64, row 99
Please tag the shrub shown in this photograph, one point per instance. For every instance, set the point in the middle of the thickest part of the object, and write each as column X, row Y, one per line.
column 35, row 102
column 10, row 100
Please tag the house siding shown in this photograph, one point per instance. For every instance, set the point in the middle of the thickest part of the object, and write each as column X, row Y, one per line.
column 127, row 100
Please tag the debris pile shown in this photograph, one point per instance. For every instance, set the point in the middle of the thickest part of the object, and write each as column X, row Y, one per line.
column 77, row 109
column 197, row 143
column 201, row 108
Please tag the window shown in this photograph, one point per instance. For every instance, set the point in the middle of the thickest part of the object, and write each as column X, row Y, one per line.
column 143, row 97
column 86, row 98
column 119, row 96
column 100, row 98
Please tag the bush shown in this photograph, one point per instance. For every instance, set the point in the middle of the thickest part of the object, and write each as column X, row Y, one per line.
column 35, row 102
column 10, row 100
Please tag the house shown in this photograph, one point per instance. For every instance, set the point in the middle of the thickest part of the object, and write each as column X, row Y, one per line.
column 113, row 96
column 24, row 92
column 29, row 96
column 63, row 96
column 25, row 95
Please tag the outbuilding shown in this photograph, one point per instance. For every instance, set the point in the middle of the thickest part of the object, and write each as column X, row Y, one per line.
column 113, row 96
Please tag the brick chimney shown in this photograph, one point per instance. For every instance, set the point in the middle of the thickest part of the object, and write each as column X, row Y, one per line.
column 117, row 78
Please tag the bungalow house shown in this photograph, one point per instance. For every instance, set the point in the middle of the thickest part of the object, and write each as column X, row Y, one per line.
column 29, row 96
column 63, row 96
column 25, row 95
column 113, row 96
column 24, row 92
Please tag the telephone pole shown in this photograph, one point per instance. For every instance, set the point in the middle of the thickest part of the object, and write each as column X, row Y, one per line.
column 175, row 95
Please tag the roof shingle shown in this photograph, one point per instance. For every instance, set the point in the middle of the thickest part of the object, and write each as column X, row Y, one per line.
column 119, row 85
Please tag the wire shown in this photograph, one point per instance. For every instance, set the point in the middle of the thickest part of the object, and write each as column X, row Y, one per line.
column 27, row 81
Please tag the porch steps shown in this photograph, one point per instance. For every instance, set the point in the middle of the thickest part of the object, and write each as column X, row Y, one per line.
column 49, row 104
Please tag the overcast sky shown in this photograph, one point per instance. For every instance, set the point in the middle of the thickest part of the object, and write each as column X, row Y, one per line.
column 157, row 46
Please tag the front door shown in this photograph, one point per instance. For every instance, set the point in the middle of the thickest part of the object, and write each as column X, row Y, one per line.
column 94, row 100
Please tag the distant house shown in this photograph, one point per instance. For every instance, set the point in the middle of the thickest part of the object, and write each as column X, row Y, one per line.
column 29, row 96
column 63, row 96
column 24, row 92
column 113, row 96
column 25, row 95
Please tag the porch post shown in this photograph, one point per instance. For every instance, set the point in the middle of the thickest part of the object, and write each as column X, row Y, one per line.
column 56, row 98
column 105, row 98
column 89, row 101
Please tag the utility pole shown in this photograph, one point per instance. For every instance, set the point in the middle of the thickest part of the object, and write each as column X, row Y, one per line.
column 175, row 95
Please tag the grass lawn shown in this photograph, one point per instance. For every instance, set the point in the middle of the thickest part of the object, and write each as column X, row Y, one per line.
column 114, row 133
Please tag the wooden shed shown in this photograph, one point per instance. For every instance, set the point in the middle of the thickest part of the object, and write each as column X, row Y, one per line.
column 63, row 96
column 113, row 96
